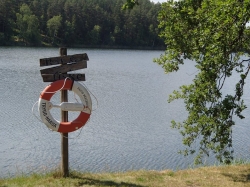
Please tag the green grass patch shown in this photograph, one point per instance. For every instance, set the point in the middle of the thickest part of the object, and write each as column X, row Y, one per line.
column 230, row 176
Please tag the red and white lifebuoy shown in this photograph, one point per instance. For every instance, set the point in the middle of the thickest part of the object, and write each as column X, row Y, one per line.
column 45, row 105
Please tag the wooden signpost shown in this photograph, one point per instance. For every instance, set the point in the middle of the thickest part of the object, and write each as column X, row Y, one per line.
column 64, row 68
column 64, row 59
column 54, row 77
column 65, row 63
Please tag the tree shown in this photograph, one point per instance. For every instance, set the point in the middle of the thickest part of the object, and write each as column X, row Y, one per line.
column 53, row 25
column 1, row 38
column 69, row 33
column 33, row 21
column 40, row 7
column 130, row 4
column 28, row 25
column 215, row 35
column 7, row 16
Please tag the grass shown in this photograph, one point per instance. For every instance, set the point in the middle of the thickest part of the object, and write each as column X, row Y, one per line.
column 224, row 176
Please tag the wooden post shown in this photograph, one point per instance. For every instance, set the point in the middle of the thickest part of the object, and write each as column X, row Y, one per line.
column 64, row 136
column 65, row 63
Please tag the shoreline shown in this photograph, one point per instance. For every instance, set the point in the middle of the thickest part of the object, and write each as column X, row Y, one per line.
column 89, row 46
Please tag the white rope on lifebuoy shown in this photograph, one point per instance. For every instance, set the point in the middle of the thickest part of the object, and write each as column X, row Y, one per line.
column 45, row 105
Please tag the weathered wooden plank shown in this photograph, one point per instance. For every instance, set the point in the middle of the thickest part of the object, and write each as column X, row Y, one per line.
column 55, row 77
column 65, row 68
column 63, row 59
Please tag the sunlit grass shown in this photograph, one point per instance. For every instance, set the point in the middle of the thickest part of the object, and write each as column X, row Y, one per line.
column 233, row 175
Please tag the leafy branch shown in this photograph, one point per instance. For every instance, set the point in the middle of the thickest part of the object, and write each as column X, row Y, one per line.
column 204, row 32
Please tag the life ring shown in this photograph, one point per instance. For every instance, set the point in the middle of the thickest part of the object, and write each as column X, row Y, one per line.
column 45, row 105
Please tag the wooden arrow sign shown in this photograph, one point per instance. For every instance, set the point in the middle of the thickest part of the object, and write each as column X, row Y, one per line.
column 63, row 59
column 65, row 68
column 55, row 77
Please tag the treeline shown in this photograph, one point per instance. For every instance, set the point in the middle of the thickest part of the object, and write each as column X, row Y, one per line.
column 78, row 22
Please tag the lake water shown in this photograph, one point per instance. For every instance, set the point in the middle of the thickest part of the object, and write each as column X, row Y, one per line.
column 129, row 130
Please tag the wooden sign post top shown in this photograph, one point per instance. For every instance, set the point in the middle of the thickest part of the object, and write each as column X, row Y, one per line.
column 64, row 64
column 64, row 59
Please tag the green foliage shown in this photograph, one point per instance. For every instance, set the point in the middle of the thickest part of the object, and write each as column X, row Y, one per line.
column 94, row 35
column 7, row 18
column 214, row 35
column 28, row 25
column 72, row 22
column 130, row 4
column 1, row 38
column 54, row 24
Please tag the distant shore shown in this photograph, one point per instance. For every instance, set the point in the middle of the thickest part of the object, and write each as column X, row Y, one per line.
column 87, row 46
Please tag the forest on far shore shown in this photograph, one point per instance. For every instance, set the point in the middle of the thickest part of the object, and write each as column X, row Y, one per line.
column 79, row 23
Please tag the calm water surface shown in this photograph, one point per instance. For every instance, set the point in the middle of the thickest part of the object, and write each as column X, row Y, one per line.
column 129, row 130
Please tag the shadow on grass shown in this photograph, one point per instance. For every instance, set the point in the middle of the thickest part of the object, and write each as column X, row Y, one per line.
column 90, row 181
column 243, row 176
